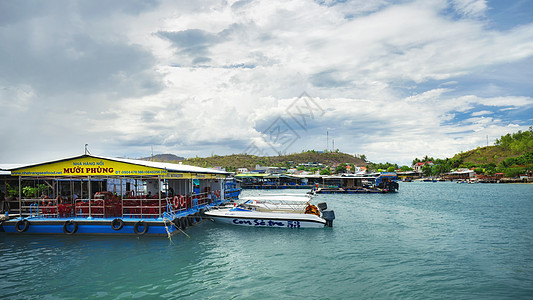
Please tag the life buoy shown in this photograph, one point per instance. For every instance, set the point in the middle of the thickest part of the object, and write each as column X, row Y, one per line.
column 44, row 200
column 20, row 222
column 117, row 224
column 182, row 201
column 311, row 209
column 175, row 202
column 66, row 227
column 143, row 224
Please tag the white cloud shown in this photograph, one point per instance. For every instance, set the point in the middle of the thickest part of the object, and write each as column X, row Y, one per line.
column 471, row 8
column 481, row 113
column 197, row 78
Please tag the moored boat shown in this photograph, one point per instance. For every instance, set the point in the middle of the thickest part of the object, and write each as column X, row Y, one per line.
column 277, row 203
column 278, row 213
column 91, row 194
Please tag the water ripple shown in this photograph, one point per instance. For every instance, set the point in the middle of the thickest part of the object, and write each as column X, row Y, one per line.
column 437, row 241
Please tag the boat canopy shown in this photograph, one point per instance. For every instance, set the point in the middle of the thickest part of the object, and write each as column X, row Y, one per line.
column 93, row 165
column 277, row 199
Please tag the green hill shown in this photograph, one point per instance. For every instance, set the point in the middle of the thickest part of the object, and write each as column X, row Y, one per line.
column 234, row 161
column 512, row 155
column 508, row 146
column 486, row 155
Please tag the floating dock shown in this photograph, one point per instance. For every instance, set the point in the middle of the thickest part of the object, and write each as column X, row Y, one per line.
column 275, row 186
column 379, row 183
column 91, row 194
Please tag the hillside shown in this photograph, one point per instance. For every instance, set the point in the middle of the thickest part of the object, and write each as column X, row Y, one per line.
column 165, row 158
column 512, row 155
column 486, row 155
column 234, row 161
column 506, row 147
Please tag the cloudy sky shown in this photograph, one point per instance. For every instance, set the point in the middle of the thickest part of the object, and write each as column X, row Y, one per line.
column 393, row 80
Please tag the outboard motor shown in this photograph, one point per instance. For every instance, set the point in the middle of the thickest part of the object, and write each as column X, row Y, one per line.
column 322, row 206
column 329, row 216
column 392, row 186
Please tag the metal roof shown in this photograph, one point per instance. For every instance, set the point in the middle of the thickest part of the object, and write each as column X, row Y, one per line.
column 4, row 168
column 159, row 165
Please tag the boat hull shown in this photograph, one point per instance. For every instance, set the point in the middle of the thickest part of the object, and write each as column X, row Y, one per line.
column 262, row 219
column 86, row 226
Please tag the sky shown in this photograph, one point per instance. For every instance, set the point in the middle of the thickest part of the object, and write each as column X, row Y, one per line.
column 393, row 80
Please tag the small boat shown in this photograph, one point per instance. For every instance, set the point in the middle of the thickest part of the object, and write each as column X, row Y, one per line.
column 279, row 212
column 277, row 203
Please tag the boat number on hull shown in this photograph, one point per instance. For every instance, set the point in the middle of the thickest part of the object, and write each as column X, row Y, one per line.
column 256, row 222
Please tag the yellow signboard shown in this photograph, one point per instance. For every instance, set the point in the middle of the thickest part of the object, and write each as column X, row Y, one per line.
column 85, row 166
column 172, row 175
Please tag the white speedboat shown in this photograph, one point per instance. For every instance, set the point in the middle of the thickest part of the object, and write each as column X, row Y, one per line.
column 276, row 203
column 275, row 212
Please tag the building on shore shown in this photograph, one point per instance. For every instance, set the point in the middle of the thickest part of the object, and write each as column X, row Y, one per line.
column 459, row 174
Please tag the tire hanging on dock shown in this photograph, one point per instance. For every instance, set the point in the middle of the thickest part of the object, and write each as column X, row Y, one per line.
column 20, row 222
column 183, row 222
column 117, row 224
column 66, row 227
column 176, row 223
column 143, row 224
column 197, row 217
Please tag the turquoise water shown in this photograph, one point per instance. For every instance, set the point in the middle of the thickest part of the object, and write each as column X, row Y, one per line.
column 429, row 241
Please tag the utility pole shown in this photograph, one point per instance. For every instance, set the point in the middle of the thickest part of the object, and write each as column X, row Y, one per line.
column 327, row 141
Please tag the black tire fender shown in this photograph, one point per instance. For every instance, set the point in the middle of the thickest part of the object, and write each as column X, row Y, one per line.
column 183, row 222
column 67, row 224
column 20, row 222
column 117, row 224
column 143, row 224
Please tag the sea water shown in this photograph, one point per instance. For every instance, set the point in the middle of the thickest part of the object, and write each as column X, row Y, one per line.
column 428, row 241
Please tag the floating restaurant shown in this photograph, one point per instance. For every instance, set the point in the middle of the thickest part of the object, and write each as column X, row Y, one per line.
column 91, row 194
column 384, row 182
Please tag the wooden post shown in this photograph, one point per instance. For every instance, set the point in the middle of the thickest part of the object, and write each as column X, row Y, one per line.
column 89, row 189
column 20, row 196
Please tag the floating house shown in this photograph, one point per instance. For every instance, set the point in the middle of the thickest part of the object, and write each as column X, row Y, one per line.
column 273, row 181
column 384, row 182
column 91, row 194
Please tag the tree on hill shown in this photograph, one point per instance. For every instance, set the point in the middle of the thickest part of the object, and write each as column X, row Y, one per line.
column 520, row 141
column 325, row 171
column 512, row 155
column 287, row 161
column 383, row 166
column 340, row 169
column 406, row 168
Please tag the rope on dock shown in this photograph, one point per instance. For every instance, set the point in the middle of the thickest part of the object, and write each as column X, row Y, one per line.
column 177, row 227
